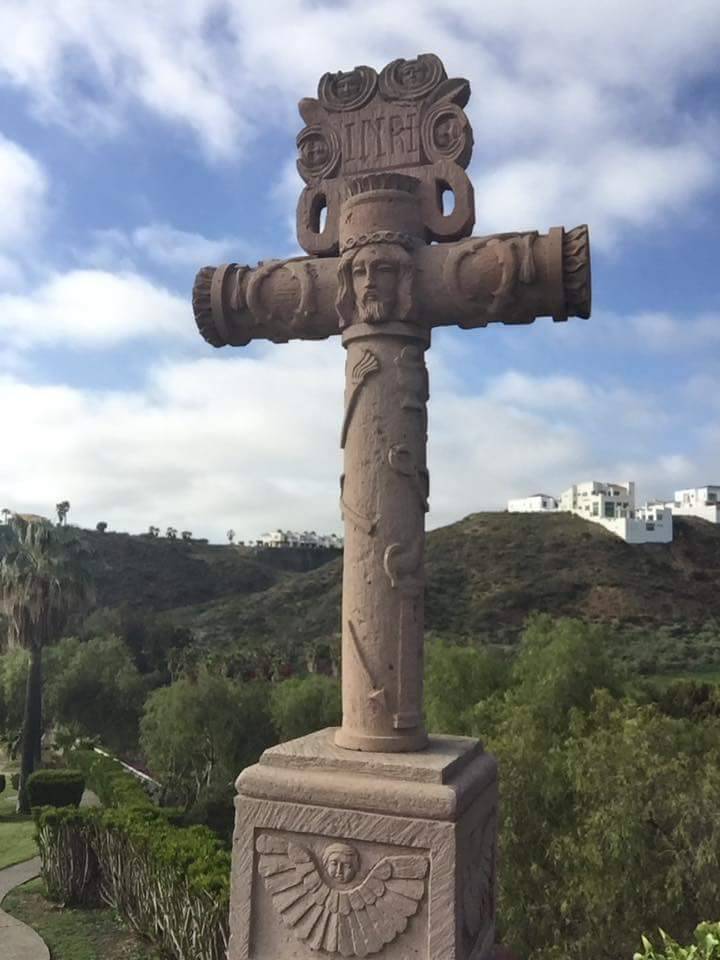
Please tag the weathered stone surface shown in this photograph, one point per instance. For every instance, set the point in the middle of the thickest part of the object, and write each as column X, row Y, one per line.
column 313, row 879
column 351, row 842
column 410, row 120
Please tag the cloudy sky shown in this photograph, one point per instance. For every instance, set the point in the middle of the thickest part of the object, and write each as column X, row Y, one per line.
column 143, row 139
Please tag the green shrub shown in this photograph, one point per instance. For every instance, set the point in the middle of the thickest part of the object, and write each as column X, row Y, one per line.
column 56, row 788
column 112, row 783
column 171, row 884
column 706, row 946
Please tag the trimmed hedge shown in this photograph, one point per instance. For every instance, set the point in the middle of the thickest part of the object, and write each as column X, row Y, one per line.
column 112, row 783
column 171, row 884
column 55, row 788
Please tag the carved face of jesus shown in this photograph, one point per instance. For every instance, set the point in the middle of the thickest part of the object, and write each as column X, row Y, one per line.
column 341, row 862
column 375, row 283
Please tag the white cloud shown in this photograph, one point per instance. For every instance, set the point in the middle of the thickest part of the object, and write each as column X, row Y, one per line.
column 610, row 186
column 666, row 332
column 23, row 186
column 162, row 245
column 576, row 107
column 92, row 308
column 252, row 442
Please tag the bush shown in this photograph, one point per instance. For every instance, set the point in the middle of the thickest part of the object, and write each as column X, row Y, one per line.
column 56, row 788
column 171, row 884
column 302, row 705
column 706, row 946
column 113, row 784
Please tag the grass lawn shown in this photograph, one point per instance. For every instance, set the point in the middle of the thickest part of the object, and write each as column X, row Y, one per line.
column 75, row 934
column 17, row 840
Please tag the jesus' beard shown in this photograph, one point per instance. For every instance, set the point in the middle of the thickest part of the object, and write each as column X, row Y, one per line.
column 373, row 311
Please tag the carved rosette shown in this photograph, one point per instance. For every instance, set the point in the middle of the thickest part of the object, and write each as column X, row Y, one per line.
column 319, row 901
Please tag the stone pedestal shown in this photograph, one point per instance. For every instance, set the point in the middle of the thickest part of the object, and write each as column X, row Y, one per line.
column 342, row 853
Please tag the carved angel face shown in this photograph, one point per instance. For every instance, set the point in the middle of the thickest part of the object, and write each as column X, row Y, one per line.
column 314, row 151
column 413, row 73
column 341, row 862
column 347, row 85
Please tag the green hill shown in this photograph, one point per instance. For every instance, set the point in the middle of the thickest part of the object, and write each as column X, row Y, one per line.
column 486, row 573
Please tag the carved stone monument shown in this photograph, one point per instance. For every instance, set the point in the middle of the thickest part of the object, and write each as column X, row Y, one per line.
column 375, row 838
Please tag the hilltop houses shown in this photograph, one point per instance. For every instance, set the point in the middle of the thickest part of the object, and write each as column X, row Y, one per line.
column 537, row 503
column 701, row 502
column 613, row 506
column 307, row 540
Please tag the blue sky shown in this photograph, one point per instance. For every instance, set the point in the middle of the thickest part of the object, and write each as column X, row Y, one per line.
column 139, row 141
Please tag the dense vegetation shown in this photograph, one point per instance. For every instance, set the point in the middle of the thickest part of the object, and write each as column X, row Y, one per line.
column 606, row 723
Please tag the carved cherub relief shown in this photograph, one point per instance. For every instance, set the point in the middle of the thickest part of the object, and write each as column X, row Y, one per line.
column 322, row 905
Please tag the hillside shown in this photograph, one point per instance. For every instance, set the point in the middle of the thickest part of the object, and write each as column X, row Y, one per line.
column 486, row 573
column 153, row 574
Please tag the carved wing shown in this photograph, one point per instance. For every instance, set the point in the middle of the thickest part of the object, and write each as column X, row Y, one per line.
column 354, row 922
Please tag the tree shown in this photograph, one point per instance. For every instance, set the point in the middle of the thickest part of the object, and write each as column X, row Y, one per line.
column 303, row 704
column 62, row 509
column 171, row 533
column 101, row 526
column 456, row 679
column 42, row 578
column 186, row 535
column 13, row 678
column 94, row 688
column 6, row 514
column 198, row 733
column 153, row 531
column 230, row 535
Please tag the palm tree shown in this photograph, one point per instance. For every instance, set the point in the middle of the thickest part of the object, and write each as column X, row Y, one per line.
column 42, row 579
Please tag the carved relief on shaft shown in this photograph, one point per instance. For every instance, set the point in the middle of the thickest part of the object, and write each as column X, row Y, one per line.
column 375, row 694
column 362, row 369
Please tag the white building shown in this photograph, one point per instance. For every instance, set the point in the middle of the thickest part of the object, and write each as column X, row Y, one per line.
column 307, row 539
column 537, row 503
column 701, row 502
column 612, row 505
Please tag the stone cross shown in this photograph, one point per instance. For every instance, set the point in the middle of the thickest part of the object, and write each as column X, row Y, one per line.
column 389, row 260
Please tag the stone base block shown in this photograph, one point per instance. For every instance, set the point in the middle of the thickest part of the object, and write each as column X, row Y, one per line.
column 339, row 853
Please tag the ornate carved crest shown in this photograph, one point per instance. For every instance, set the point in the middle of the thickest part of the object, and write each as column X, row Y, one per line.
column 410, row 119
column 323, row 906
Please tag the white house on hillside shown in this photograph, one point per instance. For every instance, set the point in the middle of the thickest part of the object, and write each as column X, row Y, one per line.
column 537, row 503
column 701, row 502
column 307, row 539
column 612, row 505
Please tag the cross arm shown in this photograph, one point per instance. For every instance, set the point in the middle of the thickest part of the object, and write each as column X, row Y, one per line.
column 510, row 278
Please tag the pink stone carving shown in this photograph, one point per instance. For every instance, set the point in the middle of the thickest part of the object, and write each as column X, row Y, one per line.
column 343, row 836
column 323, row 907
